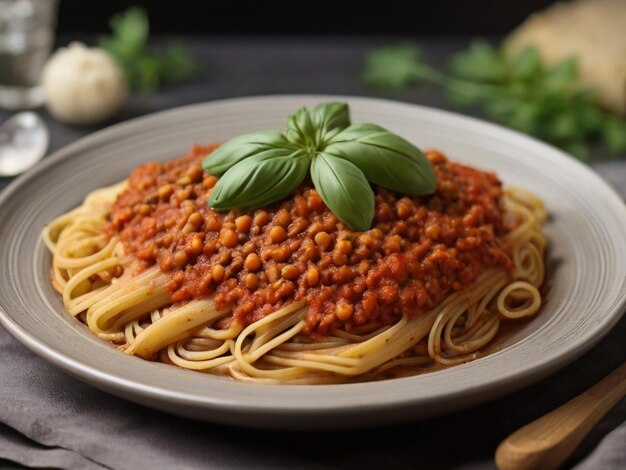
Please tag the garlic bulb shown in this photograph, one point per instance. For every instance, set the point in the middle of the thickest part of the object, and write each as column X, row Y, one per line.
column 83, row 85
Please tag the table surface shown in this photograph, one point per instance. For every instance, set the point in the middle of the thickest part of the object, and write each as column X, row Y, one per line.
column 235, row 67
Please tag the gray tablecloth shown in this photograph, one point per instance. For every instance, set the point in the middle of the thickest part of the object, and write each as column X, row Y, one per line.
column 48, row 419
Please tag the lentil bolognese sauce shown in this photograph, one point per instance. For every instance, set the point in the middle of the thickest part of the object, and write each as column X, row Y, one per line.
column 254, row 262
column 288, row 292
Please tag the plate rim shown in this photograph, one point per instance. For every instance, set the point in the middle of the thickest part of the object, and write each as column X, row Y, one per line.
column 92, row 374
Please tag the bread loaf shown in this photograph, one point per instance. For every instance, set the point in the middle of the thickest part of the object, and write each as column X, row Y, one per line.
column 594, row 31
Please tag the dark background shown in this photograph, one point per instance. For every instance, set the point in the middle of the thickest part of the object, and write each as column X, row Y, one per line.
column 279, row 17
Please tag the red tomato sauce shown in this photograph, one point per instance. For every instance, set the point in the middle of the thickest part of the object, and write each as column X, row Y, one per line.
column 418, row 251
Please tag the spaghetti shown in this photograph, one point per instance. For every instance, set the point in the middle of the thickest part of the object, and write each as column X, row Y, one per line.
column 288, row 294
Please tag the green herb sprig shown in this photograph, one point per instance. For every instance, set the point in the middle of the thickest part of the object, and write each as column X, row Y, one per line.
column 519, row 92
column 146, row 71
column 261, row 168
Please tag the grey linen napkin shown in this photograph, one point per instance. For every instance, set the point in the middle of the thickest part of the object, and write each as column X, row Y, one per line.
column 61, row 422
column 50, row 419
column 610, row 453
column 18, row 448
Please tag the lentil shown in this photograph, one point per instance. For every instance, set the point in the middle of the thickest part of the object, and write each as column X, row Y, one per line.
column 278, row 234
column 243, row 223
column 252, row 263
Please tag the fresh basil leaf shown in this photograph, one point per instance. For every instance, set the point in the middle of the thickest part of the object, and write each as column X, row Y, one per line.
column 344, row 189
column 481, row 62
column 242, row 147
column 328, row 119
column 301, row 129
column 527, row 64
column 260, row 180
column 386, row 159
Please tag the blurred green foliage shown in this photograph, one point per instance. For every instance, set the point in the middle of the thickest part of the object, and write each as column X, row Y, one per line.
column 146, row 71
column 519, row 92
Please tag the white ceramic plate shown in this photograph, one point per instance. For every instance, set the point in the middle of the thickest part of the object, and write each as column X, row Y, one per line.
column 586, row 258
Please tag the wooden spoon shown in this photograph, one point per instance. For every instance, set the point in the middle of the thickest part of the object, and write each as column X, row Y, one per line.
column 548, row 441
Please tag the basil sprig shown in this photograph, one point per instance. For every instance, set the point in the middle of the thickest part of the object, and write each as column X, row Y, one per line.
column 260, row 168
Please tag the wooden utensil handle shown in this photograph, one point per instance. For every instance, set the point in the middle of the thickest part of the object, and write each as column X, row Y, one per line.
column 549, row 441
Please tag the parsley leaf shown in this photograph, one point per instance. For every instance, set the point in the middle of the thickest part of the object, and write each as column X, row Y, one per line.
column 146, row 71
column 481, row 62
column 519, row 92
column 393, row 67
